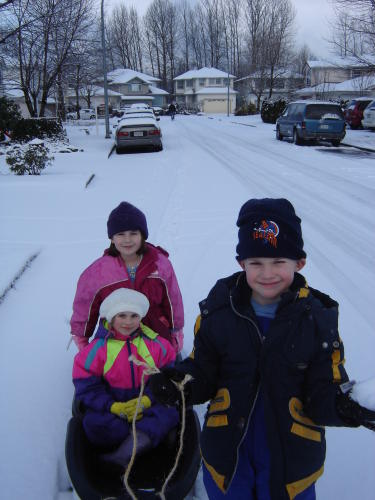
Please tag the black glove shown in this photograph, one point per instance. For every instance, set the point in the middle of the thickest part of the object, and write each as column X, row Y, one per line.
column 352, row 413
column 162, row 387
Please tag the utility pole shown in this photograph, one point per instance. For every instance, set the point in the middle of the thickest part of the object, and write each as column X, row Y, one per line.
column 228, row 94
column 106, row 110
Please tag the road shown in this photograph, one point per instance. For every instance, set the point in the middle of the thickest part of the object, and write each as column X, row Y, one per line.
column 191, row 193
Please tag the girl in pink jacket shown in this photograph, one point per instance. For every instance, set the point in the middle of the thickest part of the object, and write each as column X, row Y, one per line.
column 129, row 262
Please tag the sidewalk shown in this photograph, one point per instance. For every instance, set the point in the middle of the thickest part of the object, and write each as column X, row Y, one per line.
column 360, row 138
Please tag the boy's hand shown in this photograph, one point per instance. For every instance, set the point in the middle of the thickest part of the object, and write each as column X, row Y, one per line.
column 162, row 386
column 127, row 410
column 352, row 413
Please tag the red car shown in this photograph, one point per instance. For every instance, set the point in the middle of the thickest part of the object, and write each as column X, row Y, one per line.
column 354, row 112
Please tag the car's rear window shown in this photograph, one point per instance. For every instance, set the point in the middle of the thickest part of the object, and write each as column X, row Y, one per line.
column 363, row 104
column 318, row 111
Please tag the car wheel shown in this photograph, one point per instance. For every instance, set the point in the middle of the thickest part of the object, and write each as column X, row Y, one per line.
column 118, row 150
column 279, row 135
column 159, row 148
column 296, row 138
column 336, row 143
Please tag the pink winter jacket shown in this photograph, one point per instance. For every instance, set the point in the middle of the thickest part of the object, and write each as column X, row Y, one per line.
column 155, row 278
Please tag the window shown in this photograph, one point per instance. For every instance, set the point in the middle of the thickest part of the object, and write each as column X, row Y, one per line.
column 180, row 84
column 356, row 73
column 218, row 81
column 135, row 87
column 202, row 82
column 189, row 83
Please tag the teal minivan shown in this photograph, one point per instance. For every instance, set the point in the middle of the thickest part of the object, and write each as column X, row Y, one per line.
column 311, row 120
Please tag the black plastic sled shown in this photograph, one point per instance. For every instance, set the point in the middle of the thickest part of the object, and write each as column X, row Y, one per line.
column 93, row 479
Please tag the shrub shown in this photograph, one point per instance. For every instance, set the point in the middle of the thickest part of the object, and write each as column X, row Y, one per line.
column 40, row 128
column 271, row 110
column 9, row 114
column 29, row 158
column 246, row 109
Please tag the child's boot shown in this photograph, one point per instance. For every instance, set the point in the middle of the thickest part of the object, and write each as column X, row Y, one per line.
column 122, row 455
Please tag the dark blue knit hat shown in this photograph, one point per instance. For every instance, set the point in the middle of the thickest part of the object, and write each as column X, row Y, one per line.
column 126, row 217
column 269, row 227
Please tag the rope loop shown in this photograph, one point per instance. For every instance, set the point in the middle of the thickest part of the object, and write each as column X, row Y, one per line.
column 149, row 370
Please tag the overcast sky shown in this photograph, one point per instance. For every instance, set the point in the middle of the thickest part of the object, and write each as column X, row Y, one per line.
column 311, row 21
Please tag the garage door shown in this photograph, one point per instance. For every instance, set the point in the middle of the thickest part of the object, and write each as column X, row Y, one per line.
column 215, row 106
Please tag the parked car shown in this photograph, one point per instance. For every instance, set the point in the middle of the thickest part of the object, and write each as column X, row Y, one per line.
column 84, row 114
column 137, row 130
column 311, row 120
column 369, row 116
column 354, row 111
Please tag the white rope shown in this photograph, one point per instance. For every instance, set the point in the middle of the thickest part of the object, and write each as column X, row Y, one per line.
column 149, row 370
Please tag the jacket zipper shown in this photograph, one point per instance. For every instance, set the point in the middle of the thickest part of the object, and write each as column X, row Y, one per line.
column 131, row 362
column 258, row 388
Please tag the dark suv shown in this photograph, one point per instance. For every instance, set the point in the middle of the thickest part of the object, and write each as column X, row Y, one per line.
column 311, row 120
column 354, row 112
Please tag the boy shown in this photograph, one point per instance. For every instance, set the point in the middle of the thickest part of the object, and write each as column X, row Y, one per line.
column 268, row 355
column 108, row 383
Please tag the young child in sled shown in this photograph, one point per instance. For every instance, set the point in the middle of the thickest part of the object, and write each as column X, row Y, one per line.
column 108, row 383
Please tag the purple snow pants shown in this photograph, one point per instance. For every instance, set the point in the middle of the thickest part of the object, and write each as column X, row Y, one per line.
column 107, row 430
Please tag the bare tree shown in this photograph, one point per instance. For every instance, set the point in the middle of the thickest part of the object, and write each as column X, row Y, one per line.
column 125, row 37
column 269, row 33
column 42, row 46
column 353, row 32
column 161, row 26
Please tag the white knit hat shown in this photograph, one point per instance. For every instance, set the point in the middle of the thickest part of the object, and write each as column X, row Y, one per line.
column 124, row 300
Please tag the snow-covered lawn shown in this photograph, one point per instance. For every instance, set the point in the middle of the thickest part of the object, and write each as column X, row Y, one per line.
column 191, row 193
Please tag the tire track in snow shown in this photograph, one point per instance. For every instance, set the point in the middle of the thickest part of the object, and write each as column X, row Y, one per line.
column 314, row 171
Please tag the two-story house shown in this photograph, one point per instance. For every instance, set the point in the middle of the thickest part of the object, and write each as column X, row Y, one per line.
column 339, row 77
column 205, row 89
column 135, row 87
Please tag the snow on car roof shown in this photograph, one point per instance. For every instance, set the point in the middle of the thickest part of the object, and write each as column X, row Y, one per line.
column 137, row 120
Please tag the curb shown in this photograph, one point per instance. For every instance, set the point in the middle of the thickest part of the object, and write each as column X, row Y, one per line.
column 369, row 150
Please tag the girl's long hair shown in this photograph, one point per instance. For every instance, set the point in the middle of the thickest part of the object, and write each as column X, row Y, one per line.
column 113, row 252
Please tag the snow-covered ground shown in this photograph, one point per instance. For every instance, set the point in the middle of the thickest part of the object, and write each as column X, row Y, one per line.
column 191, row 193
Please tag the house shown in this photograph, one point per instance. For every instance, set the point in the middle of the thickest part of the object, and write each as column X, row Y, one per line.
column 337, row 69
column 256, row 84
column 343, row 91
column 135, row 86
column 205, row 89
column 339, row 78
column 96, row 95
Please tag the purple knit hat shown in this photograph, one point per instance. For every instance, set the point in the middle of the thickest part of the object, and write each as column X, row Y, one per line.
column 126, row 217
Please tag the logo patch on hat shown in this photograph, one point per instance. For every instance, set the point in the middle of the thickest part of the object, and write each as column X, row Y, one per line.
column 267, row 231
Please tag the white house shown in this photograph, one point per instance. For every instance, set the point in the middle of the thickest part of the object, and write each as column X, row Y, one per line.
column 206, row 89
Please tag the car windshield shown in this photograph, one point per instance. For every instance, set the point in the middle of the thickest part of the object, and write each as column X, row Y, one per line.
column 323, row 111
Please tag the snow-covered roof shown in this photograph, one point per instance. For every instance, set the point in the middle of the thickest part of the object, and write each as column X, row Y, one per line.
column 99, row 91
column 215, row 90
column 352, row 85
column 343, row 62
column 136, row 97
column 279, row 74
column 157, row 91
column 203, row 73
column 123, row 75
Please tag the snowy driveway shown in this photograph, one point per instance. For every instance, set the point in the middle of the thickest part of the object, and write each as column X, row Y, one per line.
column 191, row 193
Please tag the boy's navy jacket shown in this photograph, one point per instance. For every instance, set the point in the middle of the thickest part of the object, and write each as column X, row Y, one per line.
column 299, row 366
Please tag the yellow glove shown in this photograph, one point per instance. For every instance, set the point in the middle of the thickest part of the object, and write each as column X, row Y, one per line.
column 127, row 410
